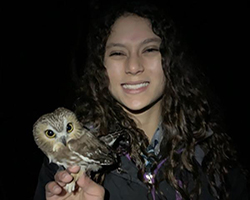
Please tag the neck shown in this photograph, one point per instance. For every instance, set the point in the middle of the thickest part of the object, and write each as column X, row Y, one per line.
column 148, row 120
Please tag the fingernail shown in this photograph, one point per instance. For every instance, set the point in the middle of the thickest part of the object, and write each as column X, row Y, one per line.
column 56, row 188
column 65, row 175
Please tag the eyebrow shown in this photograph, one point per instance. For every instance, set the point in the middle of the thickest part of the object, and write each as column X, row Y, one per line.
column 149, row 40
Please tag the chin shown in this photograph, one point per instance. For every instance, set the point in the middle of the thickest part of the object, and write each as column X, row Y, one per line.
column 135, row 105
column 136, row 109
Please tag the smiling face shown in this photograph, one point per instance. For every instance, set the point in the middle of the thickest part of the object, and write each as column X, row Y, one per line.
column 133, row 63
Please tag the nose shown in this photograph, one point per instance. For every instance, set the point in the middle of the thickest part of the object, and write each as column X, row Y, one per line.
column 134, row 65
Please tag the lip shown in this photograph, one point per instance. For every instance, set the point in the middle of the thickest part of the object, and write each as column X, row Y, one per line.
column 135, row 87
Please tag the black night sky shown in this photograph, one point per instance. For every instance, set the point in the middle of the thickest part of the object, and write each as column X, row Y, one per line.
column 36, row 75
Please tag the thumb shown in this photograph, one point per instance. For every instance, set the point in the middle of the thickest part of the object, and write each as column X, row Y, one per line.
column 90, row 188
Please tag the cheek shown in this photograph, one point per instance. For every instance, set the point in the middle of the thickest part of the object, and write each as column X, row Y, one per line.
column 156, row 70
column 160, row 84
column 114, row 71
column 114, row 80
column 159, row 78
column 111, row 75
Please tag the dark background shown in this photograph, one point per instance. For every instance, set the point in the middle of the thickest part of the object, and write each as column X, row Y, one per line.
column 36, row 75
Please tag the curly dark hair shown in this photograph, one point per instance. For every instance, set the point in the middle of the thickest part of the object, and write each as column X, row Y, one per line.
column 187, row 115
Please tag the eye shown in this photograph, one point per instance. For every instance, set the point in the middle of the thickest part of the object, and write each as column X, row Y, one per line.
column 149, row 50
column 69, row 127
column 116, row 54
column 50, row 134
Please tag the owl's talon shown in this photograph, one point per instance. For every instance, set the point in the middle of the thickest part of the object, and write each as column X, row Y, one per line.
column 70, row 187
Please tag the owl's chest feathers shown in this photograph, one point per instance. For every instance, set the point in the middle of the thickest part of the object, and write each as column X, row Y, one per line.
column 65, row 156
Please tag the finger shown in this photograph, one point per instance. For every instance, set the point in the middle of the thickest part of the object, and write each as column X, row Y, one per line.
column 90, row 187
column 63, row 177
column 52, row 188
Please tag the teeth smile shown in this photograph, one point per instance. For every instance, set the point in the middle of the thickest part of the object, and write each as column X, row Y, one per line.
column 134, row 87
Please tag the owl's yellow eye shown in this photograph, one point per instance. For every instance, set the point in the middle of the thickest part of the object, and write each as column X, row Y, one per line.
column 69, row 127
column 50, row 134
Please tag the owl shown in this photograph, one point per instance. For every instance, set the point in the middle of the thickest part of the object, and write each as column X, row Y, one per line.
column 66, row 142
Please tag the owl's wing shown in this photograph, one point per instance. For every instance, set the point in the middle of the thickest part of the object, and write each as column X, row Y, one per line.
column 110, row 139
column 88, row 147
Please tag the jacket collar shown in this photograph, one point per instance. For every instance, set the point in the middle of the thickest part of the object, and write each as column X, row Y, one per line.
column 158, row 136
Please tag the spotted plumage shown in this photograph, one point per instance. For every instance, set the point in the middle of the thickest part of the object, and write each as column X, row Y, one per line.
column 65, row 142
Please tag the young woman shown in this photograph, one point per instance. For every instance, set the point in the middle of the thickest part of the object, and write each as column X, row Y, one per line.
column 137, row 78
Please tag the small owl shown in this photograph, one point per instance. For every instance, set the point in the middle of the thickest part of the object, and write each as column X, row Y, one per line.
column 65, row 142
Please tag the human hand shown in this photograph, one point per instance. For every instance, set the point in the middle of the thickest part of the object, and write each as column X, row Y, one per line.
column 86, row 188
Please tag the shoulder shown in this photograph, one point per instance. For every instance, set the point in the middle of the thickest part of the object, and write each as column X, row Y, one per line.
column 46, row 175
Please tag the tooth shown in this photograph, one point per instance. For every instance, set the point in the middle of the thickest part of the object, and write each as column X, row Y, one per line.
column 137, row 86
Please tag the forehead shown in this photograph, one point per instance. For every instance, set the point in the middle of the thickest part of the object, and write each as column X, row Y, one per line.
column 131, row 28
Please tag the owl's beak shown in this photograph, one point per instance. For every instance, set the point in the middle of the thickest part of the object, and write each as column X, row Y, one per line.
column 63, row 140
